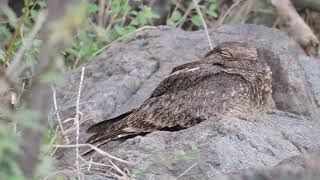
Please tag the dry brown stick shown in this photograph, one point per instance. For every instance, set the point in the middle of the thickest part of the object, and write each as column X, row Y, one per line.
column 295, row 26
column 101, row 13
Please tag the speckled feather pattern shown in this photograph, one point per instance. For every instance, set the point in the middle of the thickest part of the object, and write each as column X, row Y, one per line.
column 227, row 81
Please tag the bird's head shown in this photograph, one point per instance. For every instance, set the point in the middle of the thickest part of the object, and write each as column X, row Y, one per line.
column 232, row 51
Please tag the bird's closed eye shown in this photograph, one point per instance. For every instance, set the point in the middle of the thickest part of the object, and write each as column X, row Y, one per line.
column 226, row 54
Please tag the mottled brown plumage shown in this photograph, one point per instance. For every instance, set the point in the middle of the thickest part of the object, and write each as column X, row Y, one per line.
column 227, row 81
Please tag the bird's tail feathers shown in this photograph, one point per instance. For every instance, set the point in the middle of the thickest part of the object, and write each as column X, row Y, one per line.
column 107, row 123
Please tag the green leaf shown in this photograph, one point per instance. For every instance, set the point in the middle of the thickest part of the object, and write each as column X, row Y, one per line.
column 194, row 147
column 26, row 118
column 120, row 30
column 212, row 11
column 92, row 8
column 171, row 23
column 2, row 55
column 32, row 53
column 115, row 7
column 126, row 8
column 161, row 156
column 4, row 33
column 5, row 112
column 134, row 22
column 137, row 171
column 196, row 21
column 42, row 4
column 176, row 16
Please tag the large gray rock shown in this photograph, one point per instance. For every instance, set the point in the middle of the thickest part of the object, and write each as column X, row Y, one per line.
column 302, row 167
column 214, row 147
column 124, row 75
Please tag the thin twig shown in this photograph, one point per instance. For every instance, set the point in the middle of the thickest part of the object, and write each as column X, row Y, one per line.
column 90, row 162
column 14, row 103
column 203, row 22
column 78, row 57
column 98, row 150
column 118, row 169
column 187, row 170
column 185, row 16
column 124, row 17
column 77, row 122
column 57, row 114
column 178, row 4
column 112, row 166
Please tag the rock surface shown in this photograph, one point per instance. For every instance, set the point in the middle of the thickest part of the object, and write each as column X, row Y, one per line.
column 127, row 72
column 301, row 167
column 215, row 147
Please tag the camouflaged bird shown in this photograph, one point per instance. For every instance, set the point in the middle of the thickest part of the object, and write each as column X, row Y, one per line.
column 227, row 81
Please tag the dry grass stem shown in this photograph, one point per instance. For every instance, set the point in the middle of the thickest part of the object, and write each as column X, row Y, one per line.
column 98, row 150
column 119, row 170
column 78, row 56
column 77, row 122
column 57, row 114
column 185, row 16
column 14, row 102
column 187, row 170
column 203, row 22
column 124, row 17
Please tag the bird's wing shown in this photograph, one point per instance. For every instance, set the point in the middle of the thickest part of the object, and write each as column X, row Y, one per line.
column 179, row 101
column 187, row 65
column 143, row 118
column 185, row 76
column 104, row 124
